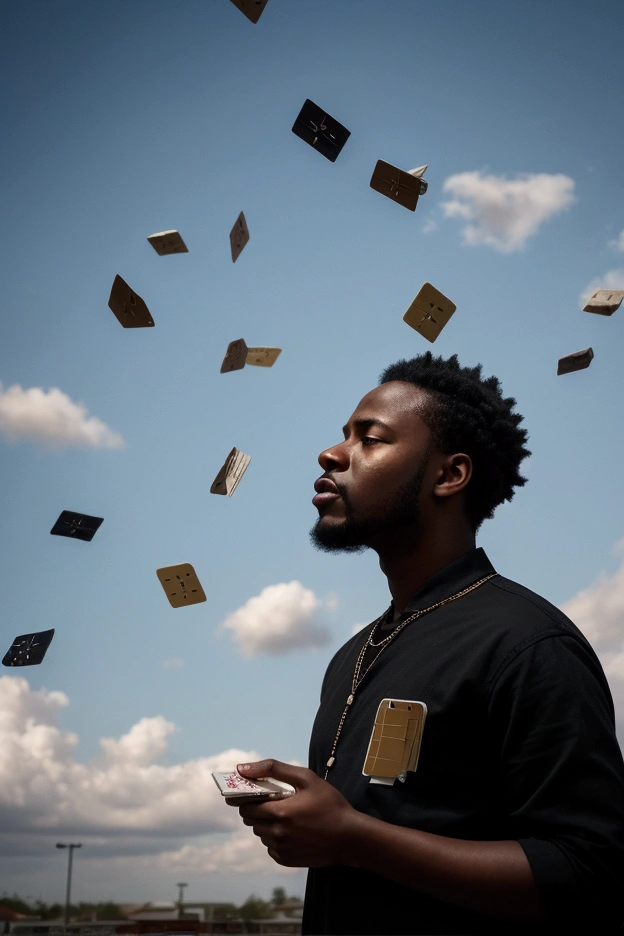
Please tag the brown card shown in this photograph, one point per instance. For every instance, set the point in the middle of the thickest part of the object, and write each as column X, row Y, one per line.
column 263, row 357
column 578, row 360
column 251, row 8
column 605, row 301
column 128, row 307
column 235, row 356
column 167, row 242
column 402, row 187
column 429, row 312
column 395, row 741
column 181, row 585
column 230, row 474
column 239, row 236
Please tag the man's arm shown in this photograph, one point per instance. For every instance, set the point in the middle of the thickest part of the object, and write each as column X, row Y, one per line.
column 318, row 827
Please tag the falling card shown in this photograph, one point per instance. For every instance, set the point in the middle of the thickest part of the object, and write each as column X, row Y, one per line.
column 181, row 585
column 429, row 312
column 231, row 473
column 129, row 308
column 235, row 356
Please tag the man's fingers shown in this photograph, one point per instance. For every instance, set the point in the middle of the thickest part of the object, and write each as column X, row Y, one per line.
column 299, row 777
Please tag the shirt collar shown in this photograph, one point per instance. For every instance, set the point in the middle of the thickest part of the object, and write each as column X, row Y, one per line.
column 454, row 577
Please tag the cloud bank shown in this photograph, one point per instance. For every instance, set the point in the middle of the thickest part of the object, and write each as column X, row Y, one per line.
column 612, row 279
column 599, row 612
column 134, row 813
column 503, row 213
column 618, row 242
column 52, row 418
column 281, row 619
column 44, row 788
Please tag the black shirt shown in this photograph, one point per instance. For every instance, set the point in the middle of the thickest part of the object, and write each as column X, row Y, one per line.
column 519, row 743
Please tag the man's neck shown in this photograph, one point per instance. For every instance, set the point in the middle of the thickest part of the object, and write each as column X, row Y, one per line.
column 407, row 565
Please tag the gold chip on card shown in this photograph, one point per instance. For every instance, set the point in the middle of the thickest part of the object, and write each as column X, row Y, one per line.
column 394, row 744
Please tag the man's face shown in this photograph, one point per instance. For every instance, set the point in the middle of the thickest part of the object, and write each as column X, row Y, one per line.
column 371, row 486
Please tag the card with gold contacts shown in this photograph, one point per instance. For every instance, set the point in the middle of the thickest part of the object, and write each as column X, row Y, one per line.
column 429, row 312
column 181, row 585
column 394, row 745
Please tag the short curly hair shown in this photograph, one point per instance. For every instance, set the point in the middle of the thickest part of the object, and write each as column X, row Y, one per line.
column 468, row 413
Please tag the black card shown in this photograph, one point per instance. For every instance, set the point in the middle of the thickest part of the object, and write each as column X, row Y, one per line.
column 320, row 130
column 28, row 649
column 78, row 526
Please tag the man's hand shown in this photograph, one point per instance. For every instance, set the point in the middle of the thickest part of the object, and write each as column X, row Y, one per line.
column 311, row 829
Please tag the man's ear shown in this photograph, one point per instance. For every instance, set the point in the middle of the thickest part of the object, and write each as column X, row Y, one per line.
column 453, row 475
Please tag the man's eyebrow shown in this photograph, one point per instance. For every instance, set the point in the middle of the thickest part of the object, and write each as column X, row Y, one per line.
column 364, row 424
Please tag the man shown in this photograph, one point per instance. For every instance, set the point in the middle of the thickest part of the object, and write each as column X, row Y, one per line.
column 514, row 818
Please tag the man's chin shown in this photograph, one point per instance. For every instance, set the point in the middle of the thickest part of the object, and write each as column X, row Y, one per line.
column 336, row 537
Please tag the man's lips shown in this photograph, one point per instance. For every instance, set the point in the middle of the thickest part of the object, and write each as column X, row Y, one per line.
column 326, row 491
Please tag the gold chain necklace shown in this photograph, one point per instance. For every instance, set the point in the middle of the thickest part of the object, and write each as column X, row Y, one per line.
column 358, row 676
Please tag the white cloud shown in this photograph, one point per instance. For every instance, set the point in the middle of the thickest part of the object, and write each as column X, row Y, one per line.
column 357, row 628
column 173, row 663
column 612, row 279
column 618, row 242
column 282, row 618
column 429, row 226
column 52, row 418
column 503, row 213
column 599, row 612
column 43, row 787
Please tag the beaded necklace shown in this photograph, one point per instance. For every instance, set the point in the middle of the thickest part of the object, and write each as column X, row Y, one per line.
column 358, row 676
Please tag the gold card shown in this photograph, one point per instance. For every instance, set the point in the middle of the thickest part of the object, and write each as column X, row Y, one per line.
column 129, row 308
column 239, row 236
column 402, row 187
column 251, row 8
column 181, row 585
column 235, row 356
column 394, row 744
column 429, row 312
column 231, row 473
column 605, row 301
column 263, row 357
column 167, row 242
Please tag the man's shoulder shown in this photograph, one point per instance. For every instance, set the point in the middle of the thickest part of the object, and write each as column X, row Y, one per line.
column 530, row 612
column 522, row 618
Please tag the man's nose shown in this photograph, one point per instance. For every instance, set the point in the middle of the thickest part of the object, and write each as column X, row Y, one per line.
column 335, row 458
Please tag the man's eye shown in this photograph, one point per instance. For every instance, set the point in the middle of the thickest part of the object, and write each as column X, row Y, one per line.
column 369, row 440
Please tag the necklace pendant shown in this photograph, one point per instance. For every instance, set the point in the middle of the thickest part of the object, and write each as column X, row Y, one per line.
column 330, row 762
column 350, row 699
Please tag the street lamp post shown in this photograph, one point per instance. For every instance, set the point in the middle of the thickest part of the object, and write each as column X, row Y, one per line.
column 71, row 846
column 181, row 887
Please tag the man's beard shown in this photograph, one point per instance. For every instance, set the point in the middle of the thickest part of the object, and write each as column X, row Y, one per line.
column 395, row 513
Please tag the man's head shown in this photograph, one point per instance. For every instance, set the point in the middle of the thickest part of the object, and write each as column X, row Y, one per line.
column 433, row 440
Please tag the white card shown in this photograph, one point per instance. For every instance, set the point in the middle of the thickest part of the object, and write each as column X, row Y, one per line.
column 605, row 301
column 167, row 242
column 231, row 473
column 233, row 786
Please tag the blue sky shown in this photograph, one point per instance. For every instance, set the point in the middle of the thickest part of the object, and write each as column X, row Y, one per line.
column 121, row 120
